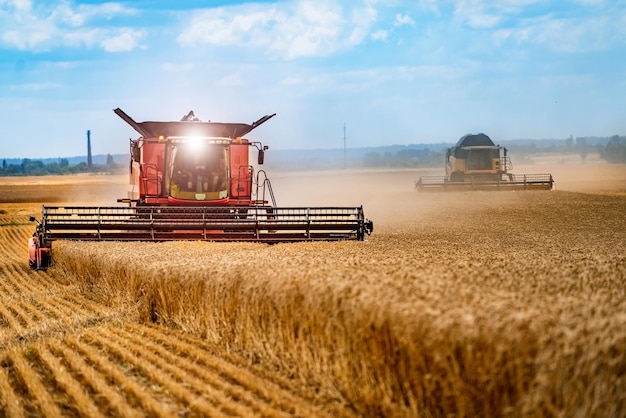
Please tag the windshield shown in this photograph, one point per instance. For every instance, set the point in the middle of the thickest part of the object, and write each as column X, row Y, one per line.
column 198, row 170
column 482, row 159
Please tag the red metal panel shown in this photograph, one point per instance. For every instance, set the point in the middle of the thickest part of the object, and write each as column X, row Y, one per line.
column 240, row 178
column 182, row 202
column 152, row 161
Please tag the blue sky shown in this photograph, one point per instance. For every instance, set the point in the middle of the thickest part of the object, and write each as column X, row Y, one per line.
column 394, row 72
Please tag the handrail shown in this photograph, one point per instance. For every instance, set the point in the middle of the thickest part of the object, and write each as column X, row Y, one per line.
column 146, row 179
column 264, row 185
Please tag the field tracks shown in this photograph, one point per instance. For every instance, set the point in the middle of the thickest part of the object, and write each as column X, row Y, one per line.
column 113, row 370
column 64, row 354
column 481, row 304
column 29, row 380
column 10, row 402
column 265, row 396
column 158, row 361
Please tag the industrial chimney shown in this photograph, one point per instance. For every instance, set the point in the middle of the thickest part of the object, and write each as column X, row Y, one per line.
column 89, row 162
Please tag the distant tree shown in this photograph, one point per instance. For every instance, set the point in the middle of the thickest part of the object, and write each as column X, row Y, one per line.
column 33, row 167
column 24, row 165
column 405, row 158
column 14, row 170
column 373, row 159
column 53, row 168
column 110, row 161
column 583, row 147
column 615, row 150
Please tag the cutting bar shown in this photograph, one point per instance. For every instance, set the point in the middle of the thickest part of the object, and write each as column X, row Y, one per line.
column 242, row 223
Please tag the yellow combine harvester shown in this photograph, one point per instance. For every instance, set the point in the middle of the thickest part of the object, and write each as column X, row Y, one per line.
column 476, row 163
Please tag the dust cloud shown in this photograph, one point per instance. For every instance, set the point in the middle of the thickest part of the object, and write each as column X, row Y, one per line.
column 585, row 178
column 98, row 190
column 389, row 198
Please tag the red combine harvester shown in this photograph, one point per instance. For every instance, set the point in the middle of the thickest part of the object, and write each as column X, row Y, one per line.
column 192, row 180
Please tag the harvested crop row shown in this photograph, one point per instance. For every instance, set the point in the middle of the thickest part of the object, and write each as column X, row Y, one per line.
column 30, row 310
column 216, row 396
column 457, row 316
column 110, row 371
column 13, row 242
column 108, row 399
column 261, row 394
column 51, row 379
column 39, row 304
column 49, row 372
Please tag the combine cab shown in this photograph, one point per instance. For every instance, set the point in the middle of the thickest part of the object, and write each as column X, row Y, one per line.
column 476, row 163
column 192, row 180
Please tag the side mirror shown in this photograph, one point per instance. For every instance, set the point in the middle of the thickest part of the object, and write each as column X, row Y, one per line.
column 261, row 158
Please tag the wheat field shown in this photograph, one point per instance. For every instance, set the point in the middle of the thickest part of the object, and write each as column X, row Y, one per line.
column 459, row 304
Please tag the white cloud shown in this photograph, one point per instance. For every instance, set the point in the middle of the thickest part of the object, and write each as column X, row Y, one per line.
column 20, row 5
column 64, row 14
column 27, row 39
column 288, row 30
column 592, row 2
column 313, row 29
column 380, row 35
column 486, row 14
column 368, row 80
column 44, row 26
column 567, row 34
column 219, row 27
column 122, row 40
column 232, row 80
column 475, row 14
column 402, row 20
column 483, row 20
column 362, row 18
column 430, row 5
column 589, row 25
column 177, row 67
column 83, row 37
column 35, row 86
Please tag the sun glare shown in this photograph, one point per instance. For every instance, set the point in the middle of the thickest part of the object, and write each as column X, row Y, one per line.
column 196, row 144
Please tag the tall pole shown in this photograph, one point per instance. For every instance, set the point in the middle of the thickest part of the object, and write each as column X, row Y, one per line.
column 89, row 162
column 344, row 145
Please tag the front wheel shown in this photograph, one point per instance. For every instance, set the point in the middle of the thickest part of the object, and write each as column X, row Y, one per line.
column 38, row 257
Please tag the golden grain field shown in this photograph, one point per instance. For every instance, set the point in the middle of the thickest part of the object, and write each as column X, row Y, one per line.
column 459, row 304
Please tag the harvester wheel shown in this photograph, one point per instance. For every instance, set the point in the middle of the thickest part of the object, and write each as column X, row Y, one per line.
column 38, row 257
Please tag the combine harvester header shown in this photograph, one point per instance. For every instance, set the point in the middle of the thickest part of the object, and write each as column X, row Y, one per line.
column 476, row 163
column 192, row 180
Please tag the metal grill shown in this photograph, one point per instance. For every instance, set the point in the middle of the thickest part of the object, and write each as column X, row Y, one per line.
column 245, row 223
column 508, row 182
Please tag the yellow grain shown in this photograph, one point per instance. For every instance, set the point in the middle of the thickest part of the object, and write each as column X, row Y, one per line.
column 9, row 400
column 97, row 381
column 35, row 386
column 80, row 399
